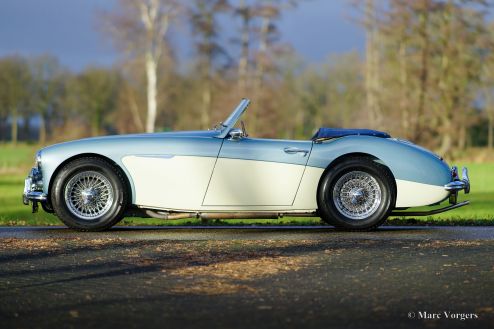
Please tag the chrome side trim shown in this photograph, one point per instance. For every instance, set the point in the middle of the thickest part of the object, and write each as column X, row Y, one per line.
column 225, row 215
column 156, row 156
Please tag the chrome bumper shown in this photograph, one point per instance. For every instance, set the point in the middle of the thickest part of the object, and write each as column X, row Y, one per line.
column 33, row 189
column 457, row 183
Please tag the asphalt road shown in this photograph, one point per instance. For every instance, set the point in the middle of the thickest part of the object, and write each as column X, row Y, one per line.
column 310, row 277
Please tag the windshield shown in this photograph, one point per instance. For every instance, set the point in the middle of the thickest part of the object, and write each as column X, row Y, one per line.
column 233, row 118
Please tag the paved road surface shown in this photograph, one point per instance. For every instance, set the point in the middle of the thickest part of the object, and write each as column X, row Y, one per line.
column 299, row 277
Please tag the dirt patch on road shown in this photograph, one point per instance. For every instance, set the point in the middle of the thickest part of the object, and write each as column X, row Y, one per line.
column 247, row 269
column 236, row 275
column 210, row 287
column 29, row 244
column 53, row 244
column 453, row 243
column 225, row 267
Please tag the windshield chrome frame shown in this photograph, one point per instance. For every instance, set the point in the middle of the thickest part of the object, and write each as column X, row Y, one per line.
column 233, row 118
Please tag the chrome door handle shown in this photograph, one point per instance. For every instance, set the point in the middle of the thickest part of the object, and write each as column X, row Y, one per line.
column 294, row 150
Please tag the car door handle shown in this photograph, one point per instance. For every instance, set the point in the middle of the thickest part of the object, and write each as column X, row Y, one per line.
column 294, row 150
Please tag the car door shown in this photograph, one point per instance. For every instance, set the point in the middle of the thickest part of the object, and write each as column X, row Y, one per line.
column 172, row 173
column 257, row 172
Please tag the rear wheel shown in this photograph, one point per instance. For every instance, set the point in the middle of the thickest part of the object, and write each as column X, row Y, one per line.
column 89, row 194
column 356, row 194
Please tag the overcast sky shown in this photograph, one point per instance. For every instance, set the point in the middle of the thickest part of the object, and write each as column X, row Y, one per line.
column 68, row 30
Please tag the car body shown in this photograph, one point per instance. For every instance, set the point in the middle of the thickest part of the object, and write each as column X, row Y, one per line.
column 223, row 173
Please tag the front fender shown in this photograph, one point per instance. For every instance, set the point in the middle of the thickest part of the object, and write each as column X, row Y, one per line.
column 116, row 148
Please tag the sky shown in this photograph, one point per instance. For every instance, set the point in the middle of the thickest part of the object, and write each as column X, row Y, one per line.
column 69, row 30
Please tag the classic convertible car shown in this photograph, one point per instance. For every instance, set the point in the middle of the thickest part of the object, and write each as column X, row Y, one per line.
column 351, row 178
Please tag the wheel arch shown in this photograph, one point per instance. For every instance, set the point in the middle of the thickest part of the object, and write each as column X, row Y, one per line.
column 122, row 172
column 346, row 156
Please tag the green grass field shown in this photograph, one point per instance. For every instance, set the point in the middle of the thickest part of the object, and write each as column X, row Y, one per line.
column 15, row 163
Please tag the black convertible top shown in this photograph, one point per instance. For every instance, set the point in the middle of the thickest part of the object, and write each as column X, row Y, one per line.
column 328, row 133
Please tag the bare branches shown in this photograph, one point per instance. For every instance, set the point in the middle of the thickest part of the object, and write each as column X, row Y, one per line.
column 140, row 27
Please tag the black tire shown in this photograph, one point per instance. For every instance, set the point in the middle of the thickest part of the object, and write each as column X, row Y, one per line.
column 353, row 188
column 111, row 206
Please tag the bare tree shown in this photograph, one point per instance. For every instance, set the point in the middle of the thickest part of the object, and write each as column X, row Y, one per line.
column 203, row 14
column 422, row 10
column 94, row 94
column 14, row 77
column 372, row 70
column 46, row 88
column 245, row 12
column 140, row 27
column 267, row 11
column 487, row 83
column 489, row 109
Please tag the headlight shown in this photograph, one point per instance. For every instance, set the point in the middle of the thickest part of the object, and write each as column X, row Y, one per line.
column 37, row 160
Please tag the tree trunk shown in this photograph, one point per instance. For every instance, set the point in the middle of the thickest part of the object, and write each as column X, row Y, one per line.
column 490, row 129
column 372, row 65
column 489, row 110
column 445, row 144
column 134, row 109
column 404, row 106
column 151, row 76
column 14, row 127
column 244, row 56
column 26, row 129
column 96, row 123
column 259, row 75
column 462, row 108
column 446, row 88
column 424, row 69
column 42, row 130
column 462, row 136
column 3, row 127
column 206, row 104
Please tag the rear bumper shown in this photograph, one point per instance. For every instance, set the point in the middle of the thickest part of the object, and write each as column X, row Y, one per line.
column 457, row 184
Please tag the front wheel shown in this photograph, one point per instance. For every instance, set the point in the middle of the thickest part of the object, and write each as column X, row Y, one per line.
column 89, row 194
column 356, row 194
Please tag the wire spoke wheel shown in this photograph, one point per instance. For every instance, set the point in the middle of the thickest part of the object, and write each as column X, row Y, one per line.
column 357, row 195
column 88, row 195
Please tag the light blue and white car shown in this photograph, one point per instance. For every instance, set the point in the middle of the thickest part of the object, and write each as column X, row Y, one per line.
column 352, row 179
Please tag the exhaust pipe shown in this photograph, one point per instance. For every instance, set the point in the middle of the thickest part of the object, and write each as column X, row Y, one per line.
column 167, row 215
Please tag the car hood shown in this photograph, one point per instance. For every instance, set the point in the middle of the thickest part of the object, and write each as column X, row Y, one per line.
column 192, row 133
column 173, row 134
column 131, row 139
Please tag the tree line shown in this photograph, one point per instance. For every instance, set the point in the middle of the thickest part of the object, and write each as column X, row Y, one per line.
column 427, row 75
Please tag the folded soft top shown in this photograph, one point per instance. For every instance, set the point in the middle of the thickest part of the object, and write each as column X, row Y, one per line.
column 328, row 133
